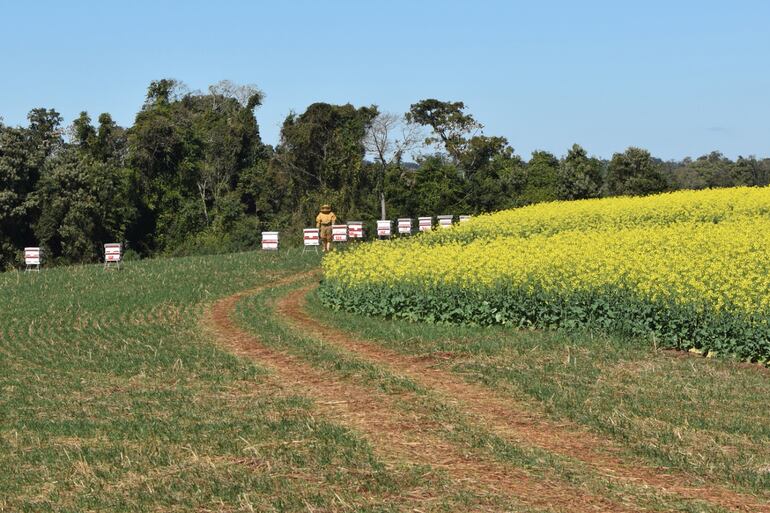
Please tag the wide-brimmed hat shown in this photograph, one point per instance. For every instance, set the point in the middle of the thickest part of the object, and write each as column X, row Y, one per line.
column 326, row 208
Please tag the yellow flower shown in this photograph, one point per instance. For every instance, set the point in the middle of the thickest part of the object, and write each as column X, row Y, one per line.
column 706, row 248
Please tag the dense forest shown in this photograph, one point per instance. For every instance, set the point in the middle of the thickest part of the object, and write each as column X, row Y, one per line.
column 192, row 174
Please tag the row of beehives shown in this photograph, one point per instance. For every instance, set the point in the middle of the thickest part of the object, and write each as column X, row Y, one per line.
column 354, row 230
column 113, row 254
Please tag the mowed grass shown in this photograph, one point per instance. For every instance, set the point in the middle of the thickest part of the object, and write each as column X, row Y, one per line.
column 707, row 417
column 113, row 398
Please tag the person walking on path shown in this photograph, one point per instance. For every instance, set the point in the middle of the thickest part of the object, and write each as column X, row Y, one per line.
column 324, row 221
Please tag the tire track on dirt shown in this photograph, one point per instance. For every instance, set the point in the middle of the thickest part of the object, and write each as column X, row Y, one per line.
column 396, row 436
column 515, row 421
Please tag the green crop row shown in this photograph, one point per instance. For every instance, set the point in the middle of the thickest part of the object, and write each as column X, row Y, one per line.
column 666, row 323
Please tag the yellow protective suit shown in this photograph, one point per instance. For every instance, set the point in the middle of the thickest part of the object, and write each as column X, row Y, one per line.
column 324, row 222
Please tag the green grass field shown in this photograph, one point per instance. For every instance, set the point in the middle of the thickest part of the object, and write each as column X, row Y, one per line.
column 113, row 400
column 704, row 416
column 116, row 396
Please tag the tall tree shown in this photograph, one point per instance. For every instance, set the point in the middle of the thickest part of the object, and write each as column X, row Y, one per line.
column 17, row 179
column 579, row 175
column 434, row 188
column 634, row 172
column 388, row 138
column 83, row 204
column 111, row 143
column 750, row 171
column 712, row 170
column 191, row 149
column 493, row 174
column 83, row 132
column 23, row 153
column 541, row 178
column 452, row 128
column 322, row 150
column 486, row 164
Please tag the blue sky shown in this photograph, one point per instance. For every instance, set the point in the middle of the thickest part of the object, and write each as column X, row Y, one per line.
column 678, row 78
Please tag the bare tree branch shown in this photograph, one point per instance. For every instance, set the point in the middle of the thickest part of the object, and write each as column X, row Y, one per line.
column 386, row 149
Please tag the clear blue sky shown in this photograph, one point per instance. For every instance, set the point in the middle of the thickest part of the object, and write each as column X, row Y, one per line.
column 676, row 77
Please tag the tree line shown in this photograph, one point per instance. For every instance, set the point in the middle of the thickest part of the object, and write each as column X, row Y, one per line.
column 192, row 175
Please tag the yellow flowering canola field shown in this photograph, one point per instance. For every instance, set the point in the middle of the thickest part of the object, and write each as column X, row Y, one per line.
column 707, row 206
column 689, row 268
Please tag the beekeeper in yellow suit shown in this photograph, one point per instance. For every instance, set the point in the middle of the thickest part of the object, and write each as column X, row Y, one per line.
column 324, row 221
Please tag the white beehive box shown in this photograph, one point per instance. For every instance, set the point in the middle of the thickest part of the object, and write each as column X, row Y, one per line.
column 270, row 241
column 355, row 230
column 384, row 227
column 33, row 258
column 445, row 221
column 113, row 252
column 339, row 232
column 404, row 226
column 311, row 237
